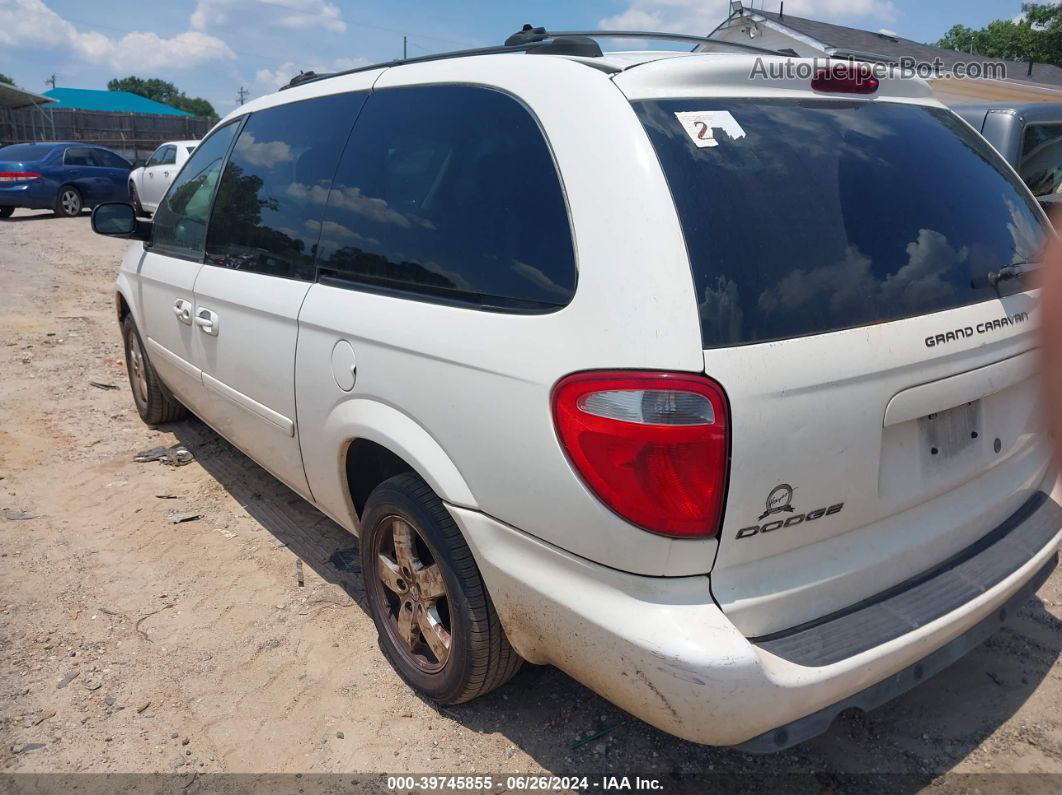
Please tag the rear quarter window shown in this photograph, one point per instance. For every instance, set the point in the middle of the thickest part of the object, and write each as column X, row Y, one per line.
column 449, row 194
column 814, row 216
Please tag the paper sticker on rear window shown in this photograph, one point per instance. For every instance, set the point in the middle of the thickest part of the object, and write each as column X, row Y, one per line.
column 701, row 125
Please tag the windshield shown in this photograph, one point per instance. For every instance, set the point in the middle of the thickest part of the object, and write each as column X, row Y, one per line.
column 802, row 217
column 25, row 153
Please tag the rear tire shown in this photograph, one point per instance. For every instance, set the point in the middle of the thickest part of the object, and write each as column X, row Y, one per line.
column 68, row 203
column 6, row 212
column 154, row 402
column 455, row 649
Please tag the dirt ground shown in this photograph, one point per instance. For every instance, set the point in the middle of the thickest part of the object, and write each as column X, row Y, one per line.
column 130, row 643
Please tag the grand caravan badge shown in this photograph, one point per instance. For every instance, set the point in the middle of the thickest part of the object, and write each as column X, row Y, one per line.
column 780, row 500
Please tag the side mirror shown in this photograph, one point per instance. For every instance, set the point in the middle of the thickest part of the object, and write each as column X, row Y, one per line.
column 118, row 219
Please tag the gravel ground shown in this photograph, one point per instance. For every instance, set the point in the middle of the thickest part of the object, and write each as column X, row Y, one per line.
column 130, row 643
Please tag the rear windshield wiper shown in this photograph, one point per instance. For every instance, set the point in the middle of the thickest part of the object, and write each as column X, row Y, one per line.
column 1014, row 270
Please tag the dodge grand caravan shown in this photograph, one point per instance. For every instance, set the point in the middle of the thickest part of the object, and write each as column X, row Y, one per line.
column 716, row 392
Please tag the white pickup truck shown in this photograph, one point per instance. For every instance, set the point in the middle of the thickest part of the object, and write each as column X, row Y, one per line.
column 148, row 184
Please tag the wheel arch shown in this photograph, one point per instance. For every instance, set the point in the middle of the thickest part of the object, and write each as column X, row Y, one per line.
column 121, row 306
column 377, row 442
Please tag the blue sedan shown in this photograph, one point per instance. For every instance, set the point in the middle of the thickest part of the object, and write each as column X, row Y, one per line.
column 63, row 177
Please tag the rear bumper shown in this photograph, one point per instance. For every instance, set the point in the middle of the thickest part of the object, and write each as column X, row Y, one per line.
column 661, row 649
column 24, row 195
column 899, row 683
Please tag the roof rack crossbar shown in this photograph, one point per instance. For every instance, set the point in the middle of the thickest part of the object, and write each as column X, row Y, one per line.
column 531, row 39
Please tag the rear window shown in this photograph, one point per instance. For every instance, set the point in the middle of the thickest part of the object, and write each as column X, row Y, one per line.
column 1041, row 158
column 802, row 217
column 25, row 152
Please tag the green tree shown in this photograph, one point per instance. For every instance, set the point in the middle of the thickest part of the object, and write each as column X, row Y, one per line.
column 162, row 91
column 1036, row 36
column 5, row 79
column 153, row 88
column 194, row 105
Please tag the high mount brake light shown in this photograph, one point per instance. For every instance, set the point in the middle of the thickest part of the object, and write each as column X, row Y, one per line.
column 846, row 78
column 652, row 446
column 18, row 176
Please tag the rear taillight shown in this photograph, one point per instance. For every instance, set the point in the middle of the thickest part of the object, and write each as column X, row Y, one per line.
column 845, row 78
column 651, row 446
column 18, row 176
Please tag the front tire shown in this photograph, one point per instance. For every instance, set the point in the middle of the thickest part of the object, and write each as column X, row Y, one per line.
column 6, row 212
column 153, row 400
column 437, row 625
column 68, row 202
column 134, row 197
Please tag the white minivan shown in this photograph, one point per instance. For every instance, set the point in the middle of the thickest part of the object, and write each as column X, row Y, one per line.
column 716, row 391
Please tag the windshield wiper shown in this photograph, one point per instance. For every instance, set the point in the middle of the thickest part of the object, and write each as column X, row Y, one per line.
column 1014, row 270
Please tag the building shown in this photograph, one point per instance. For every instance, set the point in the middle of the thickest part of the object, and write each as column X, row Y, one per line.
column 110, row 101
column 125, row 122
column 19, row 107
column 807, row 38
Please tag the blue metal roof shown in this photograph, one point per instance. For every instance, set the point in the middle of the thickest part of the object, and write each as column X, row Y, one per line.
column 113, row 101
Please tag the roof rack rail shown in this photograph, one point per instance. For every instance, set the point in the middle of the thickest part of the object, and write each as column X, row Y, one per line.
column 533, row 40
column 580, row 46
column 649, row 35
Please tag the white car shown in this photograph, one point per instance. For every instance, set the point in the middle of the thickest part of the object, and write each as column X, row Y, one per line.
column 148, row 184
column 688, row 382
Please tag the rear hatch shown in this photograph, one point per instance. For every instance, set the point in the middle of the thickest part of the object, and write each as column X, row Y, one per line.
column 882, row 388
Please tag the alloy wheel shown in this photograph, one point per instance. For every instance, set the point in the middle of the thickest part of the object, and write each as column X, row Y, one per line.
column 411, row 595
column 71, row 202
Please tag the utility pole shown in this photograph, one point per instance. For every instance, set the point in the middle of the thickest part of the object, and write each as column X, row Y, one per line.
column 403, row 48
column 241, row 94
column 50, row 80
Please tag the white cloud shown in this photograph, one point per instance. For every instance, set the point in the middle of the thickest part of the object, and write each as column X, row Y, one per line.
column 269, row 80
column 297, row 14
column 353, row 200
column 151, row 51
column 698, row 17
column 30, row 23
column 263, row 153
column 828, row 10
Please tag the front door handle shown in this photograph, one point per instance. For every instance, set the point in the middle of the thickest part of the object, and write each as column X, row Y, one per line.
column 207, row 321
column 183, row 310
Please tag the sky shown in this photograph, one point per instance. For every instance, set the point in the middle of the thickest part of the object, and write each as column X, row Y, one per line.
column 212, row 48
